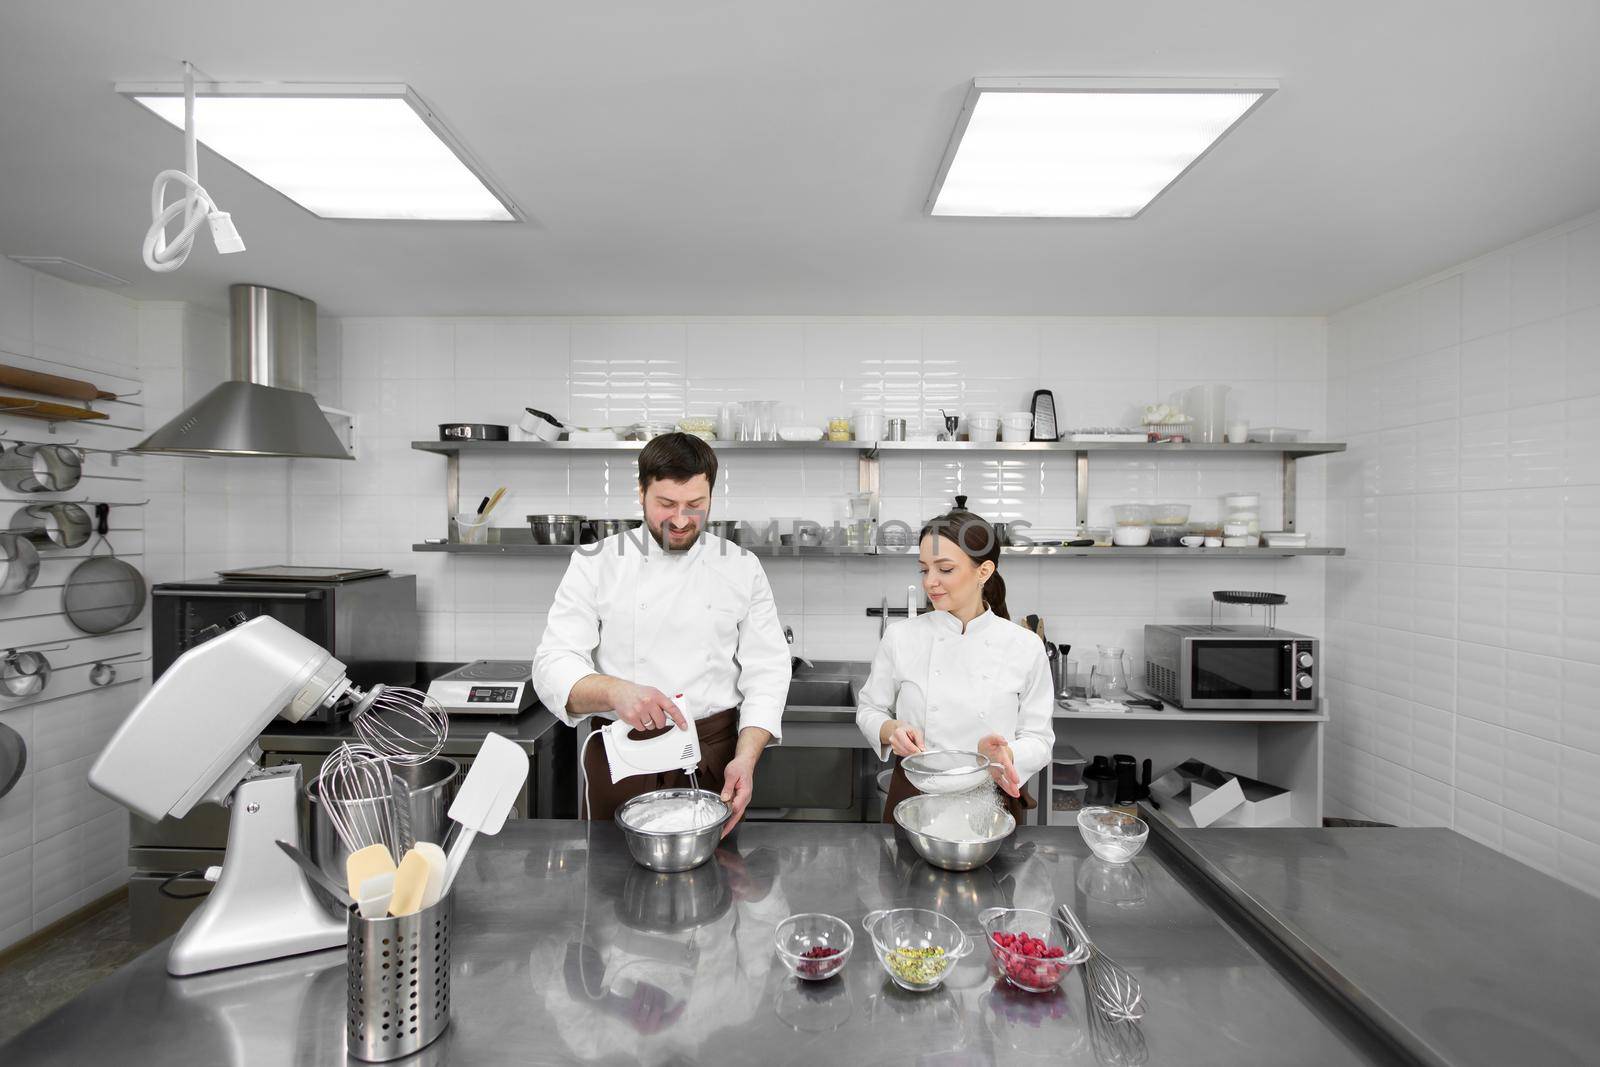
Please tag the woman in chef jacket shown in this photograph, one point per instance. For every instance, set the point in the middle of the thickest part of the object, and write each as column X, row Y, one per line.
column 964, row 676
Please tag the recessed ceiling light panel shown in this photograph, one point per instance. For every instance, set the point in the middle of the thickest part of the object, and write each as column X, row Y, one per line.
column 1100, row 148
column 339, row 151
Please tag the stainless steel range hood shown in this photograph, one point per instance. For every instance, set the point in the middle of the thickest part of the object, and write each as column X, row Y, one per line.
column 265, row 410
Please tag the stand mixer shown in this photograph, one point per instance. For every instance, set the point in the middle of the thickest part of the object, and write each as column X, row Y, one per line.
column 192, row 739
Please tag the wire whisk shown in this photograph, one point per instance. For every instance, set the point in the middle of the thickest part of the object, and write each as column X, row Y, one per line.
column 353, row 787
column 1108, row 985
column 405, row 726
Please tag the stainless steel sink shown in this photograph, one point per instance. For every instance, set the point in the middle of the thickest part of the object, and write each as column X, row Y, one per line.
column 821, row 692
column 818, row 782
column 825, row 688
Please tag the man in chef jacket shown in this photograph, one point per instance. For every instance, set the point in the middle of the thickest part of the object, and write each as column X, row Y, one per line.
column 653, row 625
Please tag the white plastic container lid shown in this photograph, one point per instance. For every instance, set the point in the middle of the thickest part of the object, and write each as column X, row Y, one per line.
column 1017, row 418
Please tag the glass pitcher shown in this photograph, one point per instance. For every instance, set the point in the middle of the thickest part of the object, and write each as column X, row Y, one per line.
column 1108, row 678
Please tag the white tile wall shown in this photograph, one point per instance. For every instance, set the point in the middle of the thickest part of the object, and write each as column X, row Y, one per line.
column 404, row 376
column 61, row 844
column 1464, row 619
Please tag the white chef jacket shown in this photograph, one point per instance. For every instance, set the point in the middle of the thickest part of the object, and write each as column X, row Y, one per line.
column 957, row 688
column 701, row 623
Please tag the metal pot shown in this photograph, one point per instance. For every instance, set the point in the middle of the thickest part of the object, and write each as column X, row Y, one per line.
column 52, row 526
column 474, row 431
column 19, row 563
column 432, row 787
column 556, row 529
column 600, row 529
column 24, row 674
column 41, row 468
column 727, row 529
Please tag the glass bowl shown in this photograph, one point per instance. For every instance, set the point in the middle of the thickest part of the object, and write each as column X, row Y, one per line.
column 1131, row 514
column 946, row 772
column 917, row 948
column 1114, row 836
column 799, row 934
column 1026, row 970
column 1169, row 514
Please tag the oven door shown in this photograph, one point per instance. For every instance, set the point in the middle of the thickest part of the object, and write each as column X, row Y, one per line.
column 1220, row 673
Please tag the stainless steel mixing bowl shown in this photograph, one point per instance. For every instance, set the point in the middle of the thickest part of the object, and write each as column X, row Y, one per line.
column 994, row 824
column 433, row 786
column 672, row 850
column 555, row 529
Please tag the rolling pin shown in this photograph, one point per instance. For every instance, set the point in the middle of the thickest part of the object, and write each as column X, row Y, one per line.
column 51, row 384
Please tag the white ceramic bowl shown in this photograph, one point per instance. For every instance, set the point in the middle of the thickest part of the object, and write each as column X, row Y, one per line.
column 1131, row 536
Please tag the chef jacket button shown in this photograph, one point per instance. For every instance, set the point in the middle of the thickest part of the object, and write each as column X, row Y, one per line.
column 933, row 707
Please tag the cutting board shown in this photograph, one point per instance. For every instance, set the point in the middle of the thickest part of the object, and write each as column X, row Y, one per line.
column 43, row 409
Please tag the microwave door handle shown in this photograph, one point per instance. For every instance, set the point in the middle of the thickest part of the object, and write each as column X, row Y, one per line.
column 207, row 594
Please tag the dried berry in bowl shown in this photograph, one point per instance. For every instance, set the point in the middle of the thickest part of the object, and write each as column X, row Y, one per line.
column 820, row 961
column 1031, row 950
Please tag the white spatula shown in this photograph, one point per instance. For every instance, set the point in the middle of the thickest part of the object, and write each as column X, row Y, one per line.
column 486, row 797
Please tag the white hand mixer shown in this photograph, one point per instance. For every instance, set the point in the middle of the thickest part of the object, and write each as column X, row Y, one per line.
column 675, row 749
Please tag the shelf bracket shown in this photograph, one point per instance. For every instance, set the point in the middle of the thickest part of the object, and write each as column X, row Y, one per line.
column 452, row 493
column 1083, row 488
column 1288, row 461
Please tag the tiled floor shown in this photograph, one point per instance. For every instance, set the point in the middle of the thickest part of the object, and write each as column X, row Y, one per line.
column 47, row 976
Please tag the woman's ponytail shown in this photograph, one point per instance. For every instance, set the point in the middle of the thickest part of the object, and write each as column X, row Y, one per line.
column 994, row 594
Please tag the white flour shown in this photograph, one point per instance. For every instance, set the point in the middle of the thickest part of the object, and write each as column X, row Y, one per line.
column 952, row 824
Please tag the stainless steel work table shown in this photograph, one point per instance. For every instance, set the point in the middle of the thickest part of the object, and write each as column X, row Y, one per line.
column 1463, row 955
column 565, row 951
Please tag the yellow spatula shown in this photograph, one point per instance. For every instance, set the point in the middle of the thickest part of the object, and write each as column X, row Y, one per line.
column 410, row 883
column 364, row 863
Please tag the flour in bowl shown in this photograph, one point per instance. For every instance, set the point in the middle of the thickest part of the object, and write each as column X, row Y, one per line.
column 672, row 815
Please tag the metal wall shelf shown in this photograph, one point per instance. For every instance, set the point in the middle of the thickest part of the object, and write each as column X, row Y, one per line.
column 1289, row 449
column 869, row 457
column 522, row 548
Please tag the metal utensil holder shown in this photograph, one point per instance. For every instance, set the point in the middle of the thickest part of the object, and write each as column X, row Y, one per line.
column 399, row 982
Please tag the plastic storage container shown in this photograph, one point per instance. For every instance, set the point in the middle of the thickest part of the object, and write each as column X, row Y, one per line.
column 1067, row 765
column 1016, row 426
column 983, row 426
column 1277, row 434
column 1068, row 797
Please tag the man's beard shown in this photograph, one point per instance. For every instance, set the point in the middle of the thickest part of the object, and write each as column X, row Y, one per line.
column 680, row 543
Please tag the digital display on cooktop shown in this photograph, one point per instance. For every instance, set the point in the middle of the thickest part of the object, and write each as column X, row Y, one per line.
column 491, row 694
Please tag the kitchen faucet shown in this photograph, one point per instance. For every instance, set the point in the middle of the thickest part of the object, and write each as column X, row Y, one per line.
column 794, row 661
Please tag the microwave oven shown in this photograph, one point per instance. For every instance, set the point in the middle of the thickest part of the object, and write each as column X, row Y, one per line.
column 1230, row 667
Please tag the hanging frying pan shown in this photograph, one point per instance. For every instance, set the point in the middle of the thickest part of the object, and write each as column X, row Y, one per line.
column 19, row 563
column 103, row 593
column 13, row 758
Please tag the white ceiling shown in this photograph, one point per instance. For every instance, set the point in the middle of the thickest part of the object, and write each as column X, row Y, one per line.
column 766, row 157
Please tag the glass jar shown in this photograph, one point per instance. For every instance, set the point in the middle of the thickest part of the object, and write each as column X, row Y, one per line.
column 839, row 428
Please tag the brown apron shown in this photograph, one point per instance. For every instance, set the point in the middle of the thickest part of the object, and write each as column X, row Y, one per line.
column 719, row 736
column 900, row 788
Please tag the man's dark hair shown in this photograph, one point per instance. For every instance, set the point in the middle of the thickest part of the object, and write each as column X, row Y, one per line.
column 676, row 457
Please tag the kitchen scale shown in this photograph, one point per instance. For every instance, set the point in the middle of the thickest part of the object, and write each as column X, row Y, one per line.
column 485, row 687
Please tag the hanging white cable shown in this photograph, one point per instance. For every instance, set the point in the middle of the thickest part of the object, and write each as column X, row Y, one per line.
column 196, row 207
